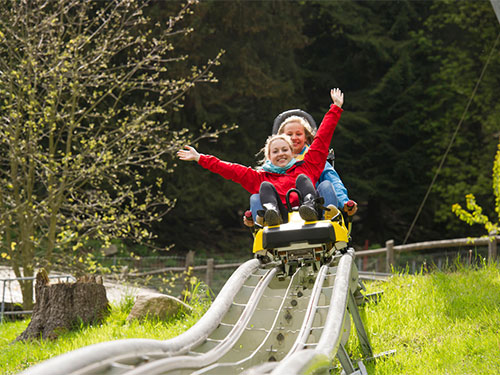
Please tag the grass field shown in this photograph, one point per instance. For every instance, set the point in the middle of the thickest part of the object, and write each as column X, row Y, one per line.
column 18, row 356
column 438, row 323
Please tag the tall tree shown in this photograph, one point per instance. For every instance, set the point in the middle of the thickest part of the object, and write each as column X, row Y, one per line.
column 84, row 89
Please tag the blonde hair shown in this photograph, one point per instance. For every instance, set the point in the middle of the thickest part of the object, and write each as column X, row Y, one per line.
column 266, row 150
column 302, row 121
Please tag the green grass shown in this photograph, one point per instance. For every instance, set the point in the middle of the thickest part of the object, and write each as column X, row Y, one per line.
column 19, row 356
column 438, row 323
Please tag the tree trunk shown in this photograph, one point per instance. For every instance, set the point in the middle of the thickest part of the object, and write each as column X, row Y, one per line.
column 27, row 293
column 64, row 306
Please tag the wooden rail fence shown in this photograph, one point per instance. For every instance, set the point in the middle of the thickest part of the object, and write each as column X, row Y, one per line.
column 389, row 250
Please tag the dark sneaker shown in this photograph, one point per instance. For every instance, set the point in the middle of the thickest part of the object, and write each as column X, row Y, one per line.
column 308, row 213
column 272, row 217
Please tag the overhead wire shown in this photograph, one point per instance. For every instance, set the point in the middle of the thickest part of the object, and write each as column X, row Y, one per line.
column 452, row 140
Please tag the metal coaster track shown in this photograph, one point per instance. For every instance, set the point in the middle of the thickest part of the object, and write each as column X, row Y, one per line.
column 258, row 324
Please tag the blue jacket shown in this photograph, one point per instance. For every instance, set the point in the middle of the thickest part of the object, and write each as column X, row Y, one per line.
column 330, row 174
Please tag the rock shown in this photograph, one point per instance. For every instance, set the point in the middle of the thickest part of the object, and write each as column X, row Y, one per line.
column 111, row 250
column 160, row 306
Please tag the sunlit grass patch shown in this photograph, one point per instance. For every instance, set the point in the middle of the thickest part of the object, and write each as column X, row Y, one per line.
column 438, row 323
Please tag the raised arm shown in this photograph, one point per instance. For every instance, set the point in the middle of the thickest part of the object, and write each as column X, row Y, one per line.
column 337, row 97
column 315, row 158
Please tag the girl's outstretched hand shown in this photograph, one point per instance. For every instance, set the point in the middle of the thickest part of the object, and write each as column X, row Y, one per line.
column 337, row 97
column 188, row 154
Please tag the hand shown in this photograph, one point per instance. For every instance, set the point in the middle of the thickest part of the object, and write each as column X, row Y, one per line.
column 350, row 207
column 248, row 219
column 337, row 97
column 189, row 154
column 248, row 223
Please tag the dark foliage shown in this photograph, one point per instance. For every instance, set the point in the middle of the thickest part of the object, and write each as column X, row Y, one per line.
column 407, row 68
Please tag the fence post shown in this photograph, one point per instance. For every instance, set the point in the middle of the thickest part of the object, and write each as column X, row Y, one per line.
column 187, row 272
column 210, row 272
column 492, row 246
column 389, row 255
column 3, row 301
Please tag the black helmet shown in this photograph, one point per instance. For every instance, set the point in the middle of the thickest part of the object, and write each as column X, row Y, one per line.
column 293, row 112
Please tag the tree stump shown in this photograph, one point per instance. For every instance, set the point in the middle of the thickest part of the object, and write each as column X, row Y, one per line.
column 64, row 306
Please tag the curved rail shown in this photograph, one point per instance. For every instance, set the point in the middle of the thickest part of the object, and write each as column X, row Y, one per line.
column 113, row 355
column 257, row 350
column 196, row 360
column 305, row 330
column 319, row 359
column 259, row 324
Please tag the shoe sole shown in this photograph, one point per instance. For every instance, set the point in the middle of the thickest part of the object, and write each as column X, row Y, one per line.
column 271, row 217
column 331, row 212
column 308, row 213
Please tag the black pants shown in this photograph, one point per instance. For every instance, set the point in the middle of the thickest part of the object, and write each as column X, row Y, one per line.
column 269, row 195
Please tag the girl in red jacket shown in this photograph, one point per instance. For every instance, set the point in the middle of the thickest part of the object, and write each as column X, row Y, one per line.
column 280, row 172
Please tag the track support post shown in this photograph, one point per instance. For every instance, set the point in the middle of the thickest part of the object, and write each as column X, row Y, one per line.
column 345, row 361
column 366, row 347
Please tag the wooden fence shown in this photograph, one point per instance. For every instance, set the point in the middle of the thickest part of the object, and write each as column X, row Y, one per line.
column 189, row 266
column 389, row 250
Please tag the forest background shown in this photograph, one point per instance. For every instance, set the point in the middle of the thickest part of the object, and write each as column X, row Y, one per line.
column 408, row 70
column 416, row 75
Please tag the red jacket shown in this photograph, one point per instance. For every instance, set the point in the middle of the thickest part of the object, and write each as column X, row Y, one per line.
column 312, row 165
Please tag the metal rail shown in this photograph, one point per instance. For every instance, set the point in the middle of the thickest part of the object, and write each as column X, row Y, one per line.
column 195, row 359
column 301, row 339
column 262, row 349
column 319, row 359
column 108, row 354
column 258, row 324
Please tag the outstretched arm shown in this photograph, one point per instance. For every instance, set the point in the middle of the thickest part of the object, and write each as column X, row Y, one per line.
column 189, row 154
column 337, row 97
column 247, row 177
